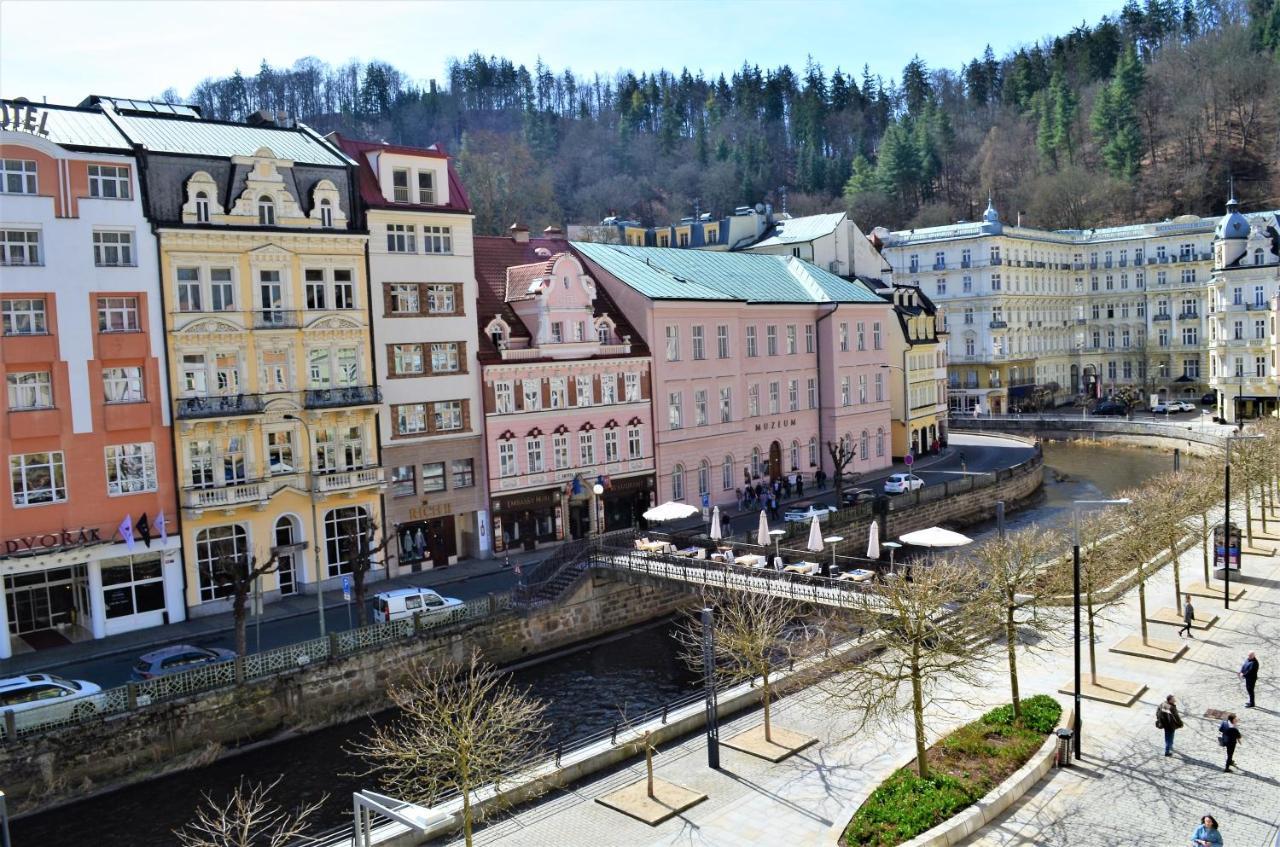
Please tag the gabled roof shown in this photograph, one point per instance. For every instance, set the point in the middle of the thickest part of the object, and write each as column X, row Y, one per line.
column 72, row 127
column 521, row 277
column 799, row 230
column 170, row 134
column 367, row 179
column 665, row 273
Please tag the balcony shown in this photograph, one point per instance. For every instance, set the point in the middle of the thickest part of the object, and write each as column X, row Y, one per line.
column 999, row 324
column 351, row 395
column 1186, row 316
column 997, row 261
column 1081, row 321
column 940, row 266
column 228, row 496
column 350, row 481
column 1256, row 307
column 277, row 319
column 1107, row 263
column 1124, row 263
column 1093, row 264
column 219, row 406
column 966, row 263
column 1163, row 316
column 915, row 269
column 1164, row 260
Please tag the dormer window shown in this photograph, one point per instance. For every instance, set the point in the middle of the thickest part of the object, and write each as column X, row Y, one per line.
column 400, row 185
column 426, row 188
column 498, row 337
column 266, row 211
column 202, row 207
column 603, row 333
column 326, row 214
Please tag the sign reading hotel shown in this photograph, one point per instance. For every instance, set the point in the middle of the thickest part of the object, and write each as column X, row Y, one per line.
column 20, row 116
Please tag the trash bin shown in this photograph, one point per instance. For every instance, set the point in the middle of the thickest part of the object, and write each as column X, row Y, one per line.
column 1063, row 758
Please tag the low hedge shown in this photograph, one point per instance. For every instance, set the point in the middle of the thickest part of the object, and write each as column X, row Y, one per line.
column 964, row 767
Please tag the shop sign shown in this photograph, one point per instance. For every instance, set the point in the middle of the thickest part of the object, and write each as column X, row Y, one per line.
column 426, row 511
column 784, row 423
column 532, row 500
column 51, row 541
column 21, row 116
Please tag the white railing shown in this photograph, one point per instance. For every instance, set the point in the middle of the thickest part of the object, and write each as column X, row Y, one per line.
column 343, row 480
column 227, row 495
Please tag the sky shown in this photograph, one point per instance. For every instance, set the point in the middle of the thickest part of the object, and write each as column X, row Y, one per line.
column 62, row 51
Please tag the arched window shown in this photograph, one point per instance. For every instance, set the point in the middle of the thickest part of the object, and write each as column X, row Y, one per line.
column 266, row 211
column 287, row 568
column 848, row 444
column 202, row 207
column 326, row 214
column 813, row 451
column 880, row 441
column 219, row 549
column 342, row 530
column 864, row 442
column 677, row 482
column 704, row 477
column 726, row 473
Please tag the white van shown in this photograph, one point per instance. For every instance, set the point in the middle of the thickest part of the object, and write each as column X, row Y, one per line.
column 405, row 602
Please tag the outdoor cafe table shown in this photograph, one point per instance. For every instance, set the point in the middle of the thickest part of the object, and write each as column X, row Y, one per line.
column 856, row 575
column 750, row 560
column 802, row 568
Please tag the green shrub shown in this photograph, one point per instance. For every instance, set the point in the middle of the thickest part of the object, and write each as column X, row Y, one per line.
column 1000, row 715
column 1039, row 713
column 905, row 805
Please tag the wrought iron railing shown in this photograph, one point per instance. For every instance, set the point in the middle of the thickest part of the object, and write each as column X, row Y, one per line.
column 219, row 405
column 350, row 395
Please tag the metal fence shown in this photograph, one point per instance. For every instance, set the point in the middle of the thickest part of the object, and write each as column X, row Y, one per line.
column 19, row 724
column 1075, row 423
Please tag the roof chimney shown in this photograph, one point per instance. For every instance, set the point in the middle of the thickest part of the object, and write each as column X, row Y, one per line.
column 519, row 233
column 554, row 233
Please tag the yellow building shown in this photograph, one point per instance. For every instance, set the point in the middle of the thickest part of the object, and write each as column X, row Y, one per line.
column 266, row 317
column 917, row 371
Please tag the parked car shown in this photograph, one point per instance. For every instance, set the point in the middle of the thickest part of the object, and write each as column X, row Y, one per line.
column 1209, row 399
column 902, row 482
column 1110, row 408
column 40, row 698
column 806, row 515
column 1165, row 408
column 854, row 496
column 1184, row 405
column 178, row 658
column 406, row 602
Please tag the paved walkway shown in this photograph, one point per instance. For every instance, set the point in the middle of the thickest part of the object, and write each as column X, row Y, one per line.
column 1126, row 793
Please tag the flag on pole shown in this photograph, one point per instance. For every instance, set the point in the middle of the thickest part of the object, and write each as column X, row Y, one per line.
column 162, row 528
column 126, row 531
column 143, row 528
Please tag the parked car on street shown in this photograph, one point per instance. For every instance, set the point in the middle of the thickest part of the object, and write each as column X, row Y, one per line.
column 406, row 602
column 806, row 515
column 854, row 496
column 1165, row 408
column 1109, row 408
column 40, row 698
column 177, row 658
column 1209, row 399
column 1184, row 405
column 902, row 482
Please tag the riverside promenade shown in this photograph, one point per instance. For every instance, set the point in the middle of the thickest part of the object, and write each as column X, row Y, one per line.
column 1124, row 792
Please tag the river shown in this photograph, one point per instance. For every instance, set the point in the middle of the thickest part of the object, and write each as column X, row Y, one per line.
column 586, row 689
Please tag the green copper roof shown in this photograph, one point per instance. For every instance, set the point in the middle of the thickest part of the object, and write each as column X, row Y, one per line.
column 668, row 273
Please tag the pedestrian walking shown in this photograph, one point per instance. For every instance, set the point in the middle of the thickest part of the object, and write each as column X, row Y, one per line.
column 799, row 484
column 1229, row 736
column 1188, row 616
column 1206, row 834
column 1249, row 673
column 1168, row 719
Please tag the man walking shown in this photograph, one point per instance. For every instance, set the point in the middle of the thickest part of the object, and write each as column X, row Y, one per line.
column 1249, row 673
column 1188, row 615
column 1168, row 719
column 1229, row 737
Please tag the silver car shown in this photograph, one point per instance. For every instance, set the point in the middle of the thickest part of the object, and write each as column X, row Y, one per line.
column 41, row 698
column 178, row 658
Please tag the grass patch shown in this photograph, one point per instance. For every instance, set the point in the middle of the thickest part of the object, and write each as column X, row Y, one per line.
column 964, row 767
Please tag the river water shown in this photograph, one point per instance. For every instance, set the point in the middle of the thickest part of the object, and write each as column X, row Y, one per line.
column 587, row 691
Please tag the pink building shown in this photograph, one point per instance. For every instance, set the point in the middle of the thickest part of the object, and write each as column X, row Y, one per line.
column 566, row 382
column 759, row 362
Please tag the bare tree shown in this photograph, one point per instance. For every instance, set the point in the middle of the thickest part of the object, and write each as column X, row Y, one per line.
column 1168, row 512
column 363, row 553
column 1100, row 566
column 462, row 726
column 925, row 647
column 842, row 454
column 749, row 640
column 248, row 818
column 237, row 573
column 1016, row 570
column 1198, row 486
column 1139, row 537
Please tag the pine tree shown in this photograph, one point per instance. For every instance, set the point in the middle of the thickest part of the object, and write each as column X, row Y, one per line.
column 1114, row 120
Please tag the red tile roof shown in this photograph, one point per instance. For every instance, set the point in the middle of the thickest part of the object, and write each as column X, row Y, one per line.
column 520, row 277
column 367, row 180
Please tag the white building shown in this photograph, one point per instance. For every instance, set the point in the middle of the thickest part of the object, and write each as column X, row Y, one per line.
column 831, row 241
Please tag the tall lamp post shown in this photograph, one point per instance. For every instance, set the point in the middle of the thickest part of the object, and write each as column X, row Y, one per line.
column 598, row 491
column 906, row 397
column 315, row 530
column 1226, row 517
column 1076, row 506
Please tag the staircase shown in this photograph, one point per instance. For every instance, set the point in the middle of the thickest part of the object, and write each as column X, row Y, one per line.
column 553, row 577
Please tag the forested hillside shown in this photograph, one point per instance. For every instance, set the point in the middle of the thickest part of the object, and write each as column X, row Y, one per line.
column 1143, row 114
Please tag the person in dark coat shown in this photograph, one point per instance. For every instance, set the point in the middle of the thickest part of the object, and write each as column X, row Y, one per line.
column 1168, row 719
column 1249, row 673
column 1229, row 735
column 1188, row 616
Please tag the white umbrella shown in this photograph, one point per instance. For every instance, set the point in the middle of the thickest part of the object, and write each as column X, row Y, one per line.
column 715, row 524
column 935, row 536
column 815, row 536
column 670, row 511
column 762, row 534
column 873, row 541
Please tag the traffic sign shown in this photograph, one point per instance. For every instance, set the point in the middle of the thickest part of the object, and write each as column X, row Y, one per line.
column 908, row 460
column 346, row 588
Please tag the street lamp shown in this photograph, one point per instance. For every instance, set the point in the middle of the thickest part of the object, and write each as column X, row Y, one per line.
column 1076, row 506
column 777, row 541
column 906, row 396
column 1226, row 517
column 315, row 528
column 598, row 490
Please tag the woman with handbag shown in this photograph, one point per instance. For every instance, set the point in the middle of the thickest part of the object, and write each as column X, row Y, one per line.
column 1168, row 719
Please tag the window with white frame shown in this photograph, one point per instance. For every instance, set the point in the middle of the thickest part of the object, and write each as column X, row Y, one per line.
column 704, row 478
column 675, row 416
column 446, row 415
column 771, row 340
column 442, row 299
column 813, row 451
column 426, row 188
column 726, row 404
column 109, row 182
column 117, row 314
column 400, row 185
column 677, row 482
column 631, row 385
column 611, row 444
column 879, row 387
column 793, row 395
column 634, row 448
column 699, row 342
column 752, row 350
column 846, row 392
column 29, row 390
column 20, row 247
column 37, row 478
column 557, row 392
column 266, row 211
column 586, row 448
column 507, row 458
column 410, row 418
column 280, row 452
column 808, row 338
column 673, row 343
column 862, row 335
column 504, row 397
column 608, row 389
column 560, row 450
column 880, row 441
column 844, row 337
column 791, row 339
column 131, row 468
column 863, row 445
column 775, row 400
column 533, row 453
column 722, row 341
column 875, row 335
column 342, row 530
column 202, row 207
column 326, row 214
column 404, row 298
column 700, row 408
column 445, row 357
column 123, row 384
column 190, row 293
column 726, row 473
column 113, row 249
column 219, row 550
column 753, row 400
column 437, row 239
column 812, row 390
column 531, row 389
column 862, row 388
column 23, row 316
column 406, row 359
column 344, row 289
column 17, row 176
column 401, row 238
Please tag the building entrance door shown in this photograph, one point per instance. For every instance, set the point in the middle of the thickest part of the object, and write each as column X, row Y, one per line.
column 45, row 601
column 775, row 461
column 286, row 564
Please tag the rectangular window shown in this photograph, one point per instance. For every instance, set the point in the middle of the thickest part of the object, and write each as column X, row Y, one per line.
column 433, row 477
column 531, row 389
column 633, row 442
column 846, row 393
column 862, row 388
column 752, row 352
column 437, row 239
column 442, row 299
column 558, row 392
column 611, row 445
column 463, row 473
column 700, row 408
column 447, row 415
column 37, row 478
column 109, row 182
column 793, row 395
column 20, row 247
column 401, row 238
column 400, row 185
column 131, row 468
column 560, row 451
column 699, row 343
column 404, row 299
column 675, row 418
column 608, row 389
column 584, row 392
column 123, row 384
column 586, row 449
column 411, row 418
column 771, row 340
column 673, row 343
column 844, row 337
column 726, row 405
column 631, row 383
column 722, row 341
column 753, row 400
column 445, row 358
column 791, row 339
column 280, row 451
column 426, row 188
column 113, row 249
column 808, row 338
column 774, row 398
column 189, row 299
column 117, row 314
column 403, row 483
column 344, row 290
column 557, row 332
column 862, row 336
column 507, row 458
column 406, row 359
column 23, row 317
column 875, row 335
column 17, row 176
column 222, row 297
column 879, row 388
column 504, row 397
column 30, row 390
column 813, row 393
